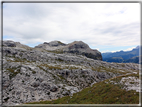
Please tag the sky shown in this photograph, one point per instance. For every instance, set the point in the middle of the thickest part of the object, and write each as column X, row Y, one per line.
column 107, row 27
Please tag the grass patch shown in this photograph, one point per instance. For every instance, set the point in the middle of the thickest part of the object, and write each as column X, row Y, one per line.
column 56, row 51
column 13, row 72
column 113, row 70
column 33, row 72
column 50, row 67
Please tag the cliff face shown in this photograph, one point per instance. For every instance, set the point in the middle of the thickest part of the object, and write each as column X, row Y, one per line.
column 34, row 74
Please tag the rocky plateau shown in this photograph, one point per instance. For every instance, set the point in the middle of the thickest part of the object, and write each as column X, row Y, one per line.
column 53, row 70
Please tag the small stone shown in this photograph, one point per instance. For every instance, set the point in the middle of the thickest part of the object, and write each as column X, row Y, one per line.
column 54, row 89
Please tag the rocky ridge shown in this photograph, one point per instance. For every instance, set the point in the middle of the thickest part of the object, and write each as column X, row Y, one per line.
column 34, row 74
column 76, row 47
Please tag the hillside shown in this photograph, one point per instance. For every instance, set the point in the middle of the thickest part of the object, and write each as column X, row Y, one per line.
column 111, row 91
column 36, row 74
column 133, row 59
column 122, row 56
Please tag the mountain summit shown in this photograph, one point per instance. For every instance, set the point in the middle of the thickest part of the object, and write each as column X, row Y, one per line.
column 76, row 47
column 55, row 43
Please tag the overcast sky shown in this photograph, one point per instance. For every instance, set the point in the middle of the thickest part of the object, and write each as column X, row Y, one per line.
column 103, row 26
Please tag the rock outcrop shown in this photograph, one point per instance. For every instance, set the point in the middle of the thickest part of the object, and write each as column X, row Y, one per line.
column 10, row 43
column 76, row 47
column 51, row 46
column 33, row 74
column 81, row 48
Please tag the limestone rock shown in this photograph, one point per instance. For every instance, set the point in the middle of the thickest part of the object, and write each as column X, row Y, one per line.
column 81, row 48
column 54, row 88
column 32, row 74
column 56, row 43
column 53, row 45
column 9, row 43
column 76, row 47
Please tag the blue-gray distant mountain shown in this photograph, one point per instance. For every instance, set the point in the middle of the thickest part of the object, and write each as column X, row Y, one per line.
column 122, row 56
column 133, row 59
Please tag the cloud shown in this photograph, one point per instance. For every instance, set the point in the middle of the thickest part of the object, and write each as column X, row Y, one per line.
column 129, row 49
column 105, row 51
column 111, row 24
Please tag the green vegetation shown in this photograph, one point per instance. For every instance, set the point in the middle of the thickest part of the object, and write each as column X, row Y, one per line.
column 56, row 51
column 33, row 72
column 50, row 67
column 22, row 60
column 100, row 93
column 105, row 69
column 13, row 72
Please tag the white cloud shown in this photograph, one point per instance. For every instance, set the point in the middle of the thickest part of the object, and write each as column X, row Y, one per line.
column 116, row 51
column 129, row 49
column 116, row 24
column 105, row 51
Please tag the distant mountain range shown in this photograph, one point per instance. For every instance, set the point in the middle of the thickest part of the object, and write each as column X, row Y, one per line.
column 122, row 56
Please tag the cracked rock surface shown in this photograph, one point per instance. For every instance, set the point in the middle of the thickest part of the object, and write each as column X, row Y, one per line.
column 35, row 74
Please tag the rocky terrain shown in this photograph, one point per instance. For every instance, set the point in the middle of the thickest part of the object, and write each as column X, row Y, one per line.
column 123, row 89
column 53, row 70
